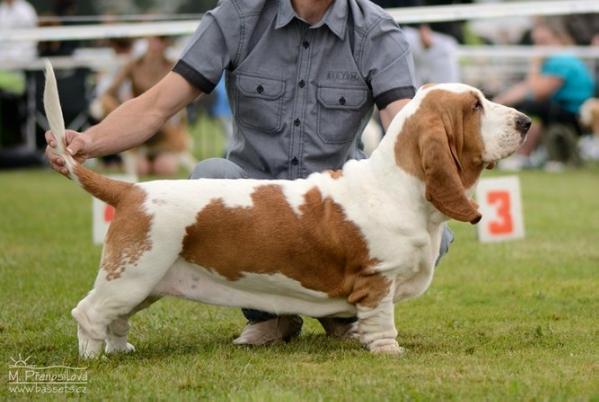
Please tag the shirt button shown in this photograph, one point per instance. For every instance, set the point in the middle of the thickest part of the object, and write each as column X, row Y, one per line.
column 302, row 84
column 294, row 161
column 260, row 89
column 342, row 101
column 296, row 122
column 306, row 44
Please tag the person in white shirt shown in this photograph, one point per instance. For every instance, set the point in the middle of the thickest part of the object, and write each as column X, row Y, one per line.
column 435, row 56
column 17, row 14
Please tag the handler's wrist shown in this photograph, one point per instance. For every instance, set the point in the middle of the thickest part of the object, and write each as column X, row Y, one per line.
column 92, row 148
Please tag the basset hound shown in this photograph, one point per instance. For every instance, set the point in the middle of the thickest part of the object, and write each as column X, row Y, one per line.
column 350, row 242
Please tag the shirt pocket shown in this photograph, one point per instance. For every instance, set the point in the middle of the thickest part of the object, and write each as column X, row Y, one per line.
column 339, row 113
column 259, row 102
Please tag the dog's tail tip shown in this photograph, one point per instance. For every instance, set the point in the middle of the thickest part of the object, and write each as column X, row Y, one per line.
column 55, row 120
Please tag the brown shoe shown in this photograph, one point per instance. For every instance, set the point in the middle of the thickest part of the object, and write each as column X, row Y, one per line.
column 276, row 330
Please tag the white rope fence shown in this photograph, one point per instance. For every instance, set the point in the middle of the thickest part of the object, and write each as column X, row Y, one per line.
column 118, row 18
column 101, row 60
column 494, row 10
column 402, row 15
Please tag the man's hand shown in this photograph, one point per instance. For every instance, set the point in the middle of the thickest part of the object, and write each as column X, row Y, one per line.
column 78, row 145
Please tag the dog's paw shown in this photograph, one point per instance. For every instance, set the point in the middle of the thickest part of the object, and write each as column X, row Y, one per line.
column 112, row 348
column 390, row 349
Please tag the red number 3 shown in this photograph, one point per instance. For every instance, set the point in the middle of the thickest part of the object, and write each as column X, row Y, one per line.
column 108, row 213
column 504, row 224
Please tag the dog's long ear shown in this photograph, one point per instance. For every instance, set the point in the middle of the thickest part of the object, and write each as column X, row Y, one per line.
column 440, row 164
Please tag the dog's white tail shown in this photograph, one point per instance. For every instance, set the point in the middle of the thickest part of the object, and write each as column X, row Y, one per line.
column 106, row 189
column 55, row 119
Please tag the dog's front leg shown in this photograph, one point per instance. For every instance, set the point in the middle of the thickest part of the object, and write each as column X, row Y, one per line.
column 376, row 325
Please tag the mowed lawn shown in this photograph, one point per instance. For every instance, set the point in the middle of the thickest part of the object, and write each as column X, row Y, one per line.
column 501, row 322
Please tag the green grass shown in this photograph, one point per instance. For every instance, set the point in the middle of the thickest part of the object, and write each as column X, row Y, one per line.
column 502, row 322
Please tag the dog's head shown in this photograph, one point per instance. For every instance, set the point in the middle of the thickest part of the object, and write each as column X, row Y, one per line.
column 452, row 134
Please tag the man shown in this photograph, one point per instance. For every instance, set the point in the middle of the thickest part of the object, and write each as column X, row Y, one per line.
column 302, row 76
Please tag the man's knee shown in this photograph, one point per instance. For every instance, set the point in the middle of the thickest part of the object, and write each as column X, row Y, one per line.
column 217, row 168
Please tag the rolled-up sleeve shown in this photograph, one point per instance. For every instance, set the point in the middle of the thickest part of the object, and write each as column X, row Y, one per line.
column 213, row 47
column 387, row 63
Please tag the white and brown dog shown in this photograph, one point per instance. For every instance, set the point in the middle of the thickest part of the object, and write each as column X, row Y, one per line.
column 338, row 243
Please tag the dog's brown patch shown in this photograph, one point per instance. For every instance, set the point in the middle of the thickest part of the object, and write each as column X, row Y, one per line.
column 369, row 289
column 319, row 248
column 128, row 236
column 335, row 174
column 441, row 144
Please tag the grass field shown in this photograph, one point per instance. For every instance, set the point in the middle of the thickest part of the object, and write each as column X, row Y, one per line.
column 504, row 322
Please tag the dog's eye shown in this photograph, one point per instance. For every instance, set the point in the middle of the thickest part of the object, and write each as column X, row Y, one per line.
column 478, row 106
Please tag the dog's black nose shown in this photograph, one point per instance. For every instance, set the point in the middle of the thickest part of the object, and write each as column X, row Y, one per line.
column 523, row 123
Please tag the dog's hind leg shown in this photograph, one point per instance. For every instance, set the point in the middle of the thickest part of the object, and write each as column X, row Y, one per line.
column 122, row 285
column 118, row 330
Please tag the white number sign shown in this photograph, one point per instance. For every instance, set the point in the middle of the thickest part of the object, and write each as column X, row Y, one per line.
column 500, row 203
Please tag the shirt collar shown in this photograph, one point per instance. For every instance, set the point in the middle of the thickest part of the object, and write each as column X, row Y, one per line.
column 335, row 18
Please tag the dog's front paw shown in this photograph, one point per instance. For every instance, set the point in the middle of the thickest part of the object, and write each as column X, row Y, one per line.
column 112, row 348
column 391, row 349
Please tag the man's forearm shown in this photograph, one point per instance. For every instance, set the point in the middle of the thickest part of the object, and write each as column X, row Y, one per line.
column 135, row 121
column 129, row 125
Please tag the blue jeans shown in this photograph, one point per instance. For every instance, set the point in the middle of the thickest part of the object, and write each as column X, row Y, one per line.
column 217, row 168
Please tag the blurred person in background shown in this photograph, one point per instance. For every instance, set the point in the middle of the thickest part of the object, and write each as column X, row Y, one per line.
column 14, row 14
column 17, row 14
column 160, row 155
column 553, row 91
column 435, row 55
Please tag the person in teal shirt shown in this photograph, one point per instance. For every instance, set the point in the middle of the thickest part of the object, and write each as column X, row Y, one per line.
column 577, row 82
column 553, row 91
